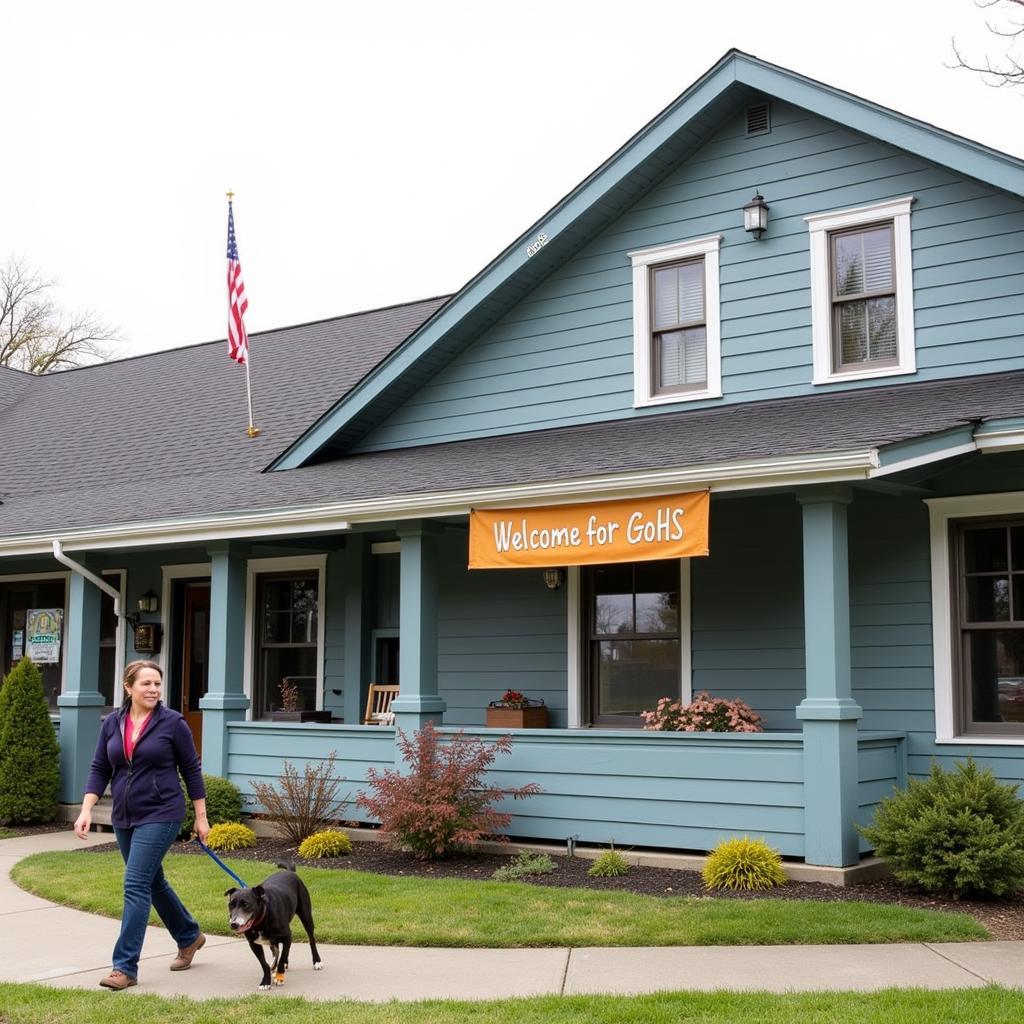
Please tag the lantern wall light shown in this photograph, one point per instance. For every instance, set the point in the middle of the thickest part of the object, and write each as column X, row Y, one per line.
column 755, row 216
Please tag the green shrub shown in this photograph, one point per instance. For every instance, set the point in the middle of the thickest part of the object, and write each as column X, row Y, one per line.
column 223, row 803
column 743, row 864
column 611, row 864
column 525, row 865
column 330, row 843
column 29, row 754
column 230, row 835
column 959, row 832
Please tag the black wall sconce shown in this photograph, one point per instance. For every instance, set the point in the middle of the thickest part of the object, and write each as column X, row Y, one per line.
column 147, row 634
column 755, row 216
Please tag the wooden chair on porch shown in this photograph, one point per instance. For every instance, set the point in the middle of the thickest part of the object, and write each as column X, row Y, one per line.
column 378, row 704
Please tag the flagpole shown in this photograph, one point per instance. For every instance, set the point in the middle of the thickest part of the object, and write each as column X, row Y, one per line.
column 252, row 430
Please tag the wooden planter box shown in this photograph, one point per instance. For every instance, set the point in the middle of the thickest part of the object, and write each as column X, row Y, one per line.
column 300, row 716
column 517, row 718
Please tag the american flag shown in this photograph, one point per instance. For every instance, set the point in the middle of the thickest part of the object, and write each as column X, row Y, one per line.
column 238, row 340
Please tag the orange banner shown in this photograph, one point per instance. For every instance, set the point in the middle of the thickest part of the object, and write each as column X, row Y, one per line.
column 627, row 530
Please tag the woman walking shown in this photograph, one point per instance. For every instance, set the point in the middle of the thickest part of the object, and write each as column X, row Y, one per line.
column 140, row 751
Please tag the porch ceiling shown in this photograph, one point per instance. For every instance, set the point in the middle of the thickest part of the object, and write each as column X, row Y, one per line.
column 837, row 433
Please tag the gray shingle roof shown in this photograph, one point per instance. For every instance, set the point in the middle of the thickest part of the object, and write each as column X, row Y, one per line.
column 835, row 421
column 182, row 412
column 12, row 383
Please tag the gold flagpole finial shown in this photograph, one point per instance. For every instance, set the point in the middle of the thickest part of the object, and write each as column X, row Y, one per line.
column 230, row 195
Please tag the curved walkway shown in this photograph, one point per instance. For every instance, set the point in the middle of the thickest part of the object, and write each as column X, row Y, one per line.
column 68, row 948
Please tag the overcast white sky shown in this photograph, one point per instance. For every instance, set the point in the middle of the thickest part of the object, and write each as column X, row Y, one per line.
column 380, row 152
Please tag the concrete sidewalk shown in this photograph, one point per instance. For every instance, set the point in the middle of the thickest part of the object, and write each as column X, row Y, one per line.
column 67, row 948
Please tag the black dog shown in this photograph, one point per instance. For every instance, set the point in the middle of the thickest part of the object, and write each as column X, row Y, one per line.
column 263, row 914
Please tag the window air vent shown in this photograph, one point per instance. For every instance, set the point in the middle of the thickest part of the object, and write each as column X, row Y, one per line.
column 759, row 120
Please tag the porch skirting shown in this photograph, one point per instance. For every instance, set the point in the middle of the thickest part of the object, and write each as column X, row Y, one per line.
column 674, row 791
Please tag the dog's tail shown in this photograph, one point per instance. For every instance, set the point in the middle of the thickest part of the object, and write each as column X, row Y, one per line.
column 287, row 865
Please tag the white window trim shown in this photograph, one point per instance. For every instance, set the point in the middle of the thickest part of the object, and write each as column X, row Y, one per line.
column 820, row 224
column 643, row 375
column 574, row 619
column 261, row 565
column 941, row 512
column 66, row 577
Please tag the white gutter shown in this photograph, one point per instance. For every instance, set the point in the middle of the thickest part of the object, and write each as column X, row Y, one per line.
column 58, row 553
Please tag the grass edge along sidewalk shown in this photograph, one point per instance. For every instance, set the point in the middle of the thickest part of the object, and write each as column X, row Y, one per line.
column 362, row 908
column 37, row 1004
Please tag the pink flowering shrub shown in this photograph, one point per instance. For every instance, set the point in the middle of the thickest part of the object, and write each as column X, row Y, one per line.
column 703, row 714
column 440, row 803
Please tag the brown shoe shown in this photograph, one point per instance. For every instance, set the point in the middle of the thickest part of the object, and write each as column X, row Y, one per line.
column 118, row 980
column 183, row 961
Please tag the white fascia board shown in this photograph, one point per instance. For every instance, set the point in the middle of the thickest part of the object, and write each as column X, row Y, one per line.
column 924, row 460
column 743, row 474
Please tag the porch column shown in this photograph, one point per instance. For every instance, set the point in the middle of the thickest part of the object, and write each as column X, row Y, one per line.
column 225, row 699
column 417, row 700
column 81, row 703
column 828, row 712
column 356, row 578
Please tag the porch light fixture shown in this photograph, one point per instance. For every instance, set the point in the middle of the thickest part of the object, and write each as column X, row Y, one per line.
column 149, row 602
column 553, row 578
column 755, row 216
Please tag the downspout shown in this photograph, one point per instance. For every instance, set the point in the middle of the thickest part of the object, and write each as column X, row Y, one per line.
column 58, row 553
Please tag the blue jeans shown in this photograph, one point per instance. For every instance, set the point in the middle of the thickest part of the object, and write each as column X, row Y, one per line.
column 143, row 849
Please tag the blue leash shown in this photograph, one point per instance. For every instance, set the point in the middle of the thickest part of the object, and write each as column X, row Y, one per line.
column 217, row 860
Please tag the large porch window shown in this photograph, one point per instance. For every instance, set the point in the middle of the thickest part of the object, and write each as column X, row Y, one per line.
column 989, row 601
column 287, row 637
column 18, row 597
column 633, row 638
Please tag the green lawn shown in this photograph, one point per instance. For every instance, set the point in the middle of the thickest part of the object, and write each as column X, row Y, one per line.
column 33, row 1004
column 367, row 909
column 6, row 833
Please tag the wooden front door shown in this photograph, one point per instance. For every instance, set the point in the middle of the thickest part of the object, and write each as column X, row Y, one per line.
column 195, row 656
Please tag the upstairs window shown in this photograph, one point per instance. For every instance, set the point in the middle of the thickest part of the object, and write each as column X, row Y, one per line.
column 862, row 292
column 676, row 330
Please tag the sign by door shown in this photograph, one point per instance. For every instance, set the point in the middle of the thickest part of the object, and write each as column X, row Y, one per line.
column 43, row 627
column 626, row 530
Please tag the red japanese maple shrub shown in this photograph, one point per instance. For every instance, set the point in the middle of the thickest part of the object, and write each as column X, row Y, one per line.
column 440, row 804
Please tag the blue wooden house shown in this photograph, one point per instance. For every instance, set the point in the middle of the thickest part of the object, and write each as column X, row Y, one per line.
column 845, row 380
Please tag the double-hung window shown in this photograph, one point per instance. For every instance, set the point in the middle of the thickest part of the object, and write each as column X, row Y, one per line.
column 676, row 328
column 862, row 292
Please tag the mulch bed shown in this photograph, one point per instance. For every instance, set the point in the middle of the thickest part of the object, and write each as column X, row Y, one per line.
column 1004, row 918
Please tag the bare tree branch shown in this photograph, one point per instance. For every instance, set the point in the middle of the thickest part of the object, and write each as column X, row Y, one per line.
column 36, row 336
column 1005, row 72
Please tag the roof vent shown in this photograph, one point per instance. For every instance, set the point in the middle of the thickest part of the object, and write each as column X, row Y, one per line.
column 759, row 120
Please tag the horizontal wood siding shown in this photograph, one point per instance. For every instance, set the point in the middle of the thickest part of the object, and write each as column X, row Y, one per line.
column 498, row 630
column 881, row 769
column 747, row 607
column 564, row 355
column 258, row 750
column 890, row 618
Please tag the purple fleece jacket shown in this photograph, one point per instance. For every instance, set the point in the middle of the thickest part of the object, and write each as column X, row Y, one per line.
column 146, row 789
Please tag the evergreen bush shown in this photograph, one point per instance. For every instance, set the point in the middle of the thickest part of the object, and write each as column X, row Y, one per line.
column 329, row 843
column 230, row 835
column 223, row 803
column 958, row 832
column 29, row 754
column 743, row 864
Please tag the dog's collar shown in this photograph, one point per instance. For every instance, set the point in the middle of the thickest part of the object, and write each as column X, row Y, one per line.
column 256, row 922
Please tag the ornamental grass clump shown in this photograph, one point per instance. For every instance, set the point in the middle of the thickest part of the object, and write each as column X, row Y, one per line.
column 610, row 864
column 958, row 832
column 440, row 803
column 743, row 864
column 230, row 836
column 329, row 843
column 703, row 714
